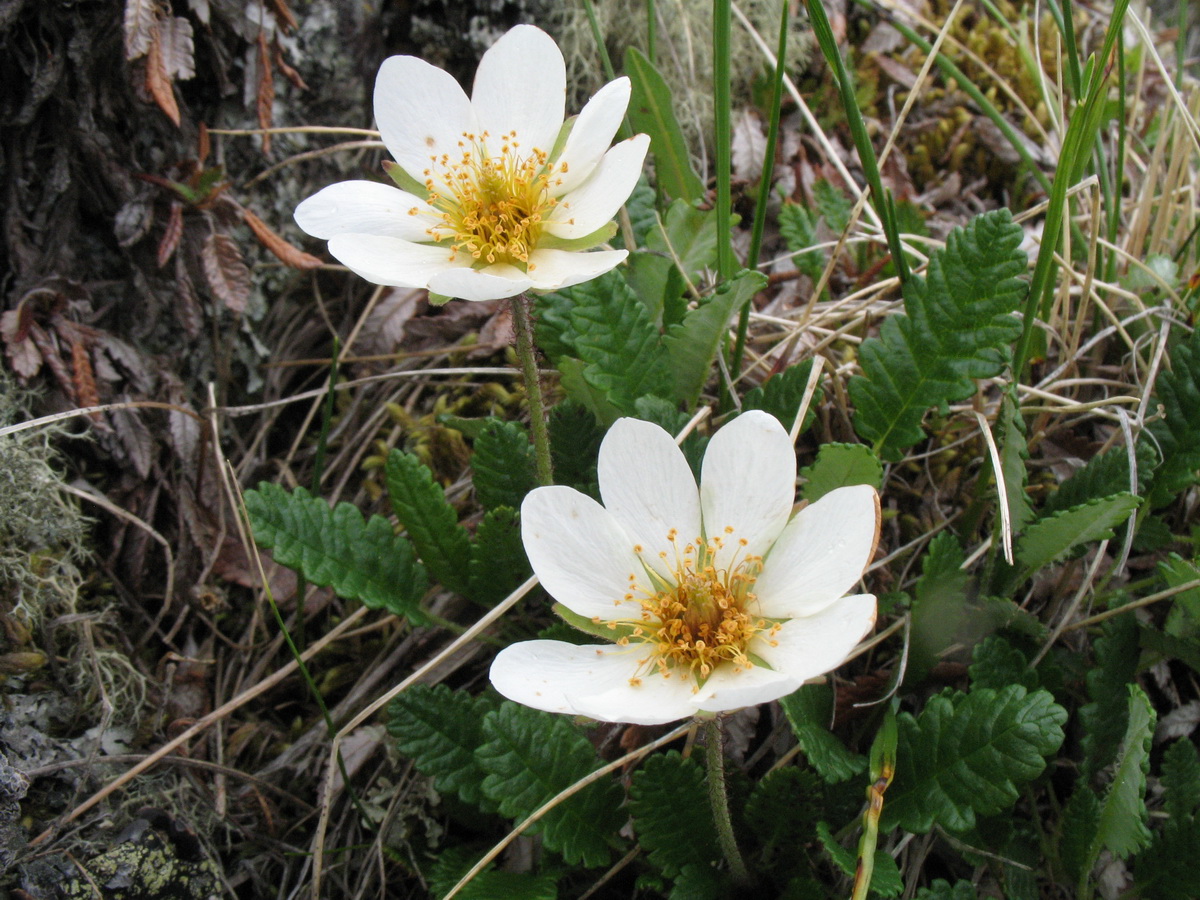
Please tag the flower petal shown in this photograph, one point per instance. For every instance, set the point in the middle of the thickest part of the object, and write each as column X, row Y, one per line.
column 390, row 260
column 493, row 283
column 590, row 681
column 730, row 688
column 648, row 487
column 813, row 645
column 821, row 554
column 365, row 207
column 554, row 269
column 747, row 485
column 421, row 112
column 581, row 555
column 591, row 134
column 597, row 200
column 521, row 86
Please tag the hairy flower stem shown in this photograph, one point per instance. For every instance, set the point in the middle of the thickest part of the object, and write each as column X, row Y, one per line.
column 718, row 799
column 523, row 325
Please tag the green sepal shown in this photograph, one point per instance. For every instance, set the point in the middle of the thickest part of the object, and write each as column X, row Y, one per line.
column 601, row 630
column 601, row 235
column 403, row 180
column 438, row 299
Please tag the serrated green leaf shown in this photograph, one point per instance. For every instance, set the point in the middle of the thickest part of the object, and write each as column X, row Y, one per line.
column 885, row 876
column 840, row 465
column 1010, row 435
column 699, row 883
column 1181, row 779
column 1167, row 869
column 1183, row 620
column 782, row 394
column 939, row 604
column 1167, row 646
column 1177, row 434
column 835, row 207
column 1122, row 825
column 531, row 756
column 652, row 112
column 1104, row 718
column 692, row 344
column 967, row 754
column 1050, row 539
column 643, row 214
column 432, row 524
column 623, row 353
column 452, row 863
column 1080, row 822
column 808, row 711
column 575, row 438
column 361, row 560
column 590, row 398
column 552, row 324
column 1104, row 475
column 440, row 729
column 687, row 236
column 995, row 663
column 503, row 465
column 941, row 889
column 498, row 562
column 957, row 327
column 798, row 227
column 667, row 800
column 783, row 811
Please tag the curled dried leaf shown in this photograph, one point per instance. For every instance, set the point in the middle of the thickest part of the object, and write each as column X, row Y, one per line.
column 141, row 17
column 158, row 82
column 266, row 91
column 172, row 233
column 226, row 272
column 23, row 354
column 287, row 253
column 176, row 46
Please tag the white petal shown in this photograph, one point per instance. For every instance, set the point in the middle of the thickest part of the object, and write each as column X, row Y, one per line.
column 389, row 260
column 493, row 283
column 365, row 207
column 589, row 681
column 597, row 200
column 813, row 645
column 821, row 554
column 579, row 552
column 592, row 134
column 554, row 269
column 521, row 85
column 729, row 688
column 747, row 484
column 421, row 112
column 648, row 487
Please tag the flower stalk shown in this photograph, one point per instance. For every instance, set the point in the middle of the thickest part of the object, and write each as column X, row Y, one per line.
column 718, row 799
column 527, row 355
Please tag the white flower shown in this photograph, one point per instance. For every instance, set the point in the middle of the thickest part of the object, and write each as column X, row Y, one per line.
column 714, row 598
column 497, row 196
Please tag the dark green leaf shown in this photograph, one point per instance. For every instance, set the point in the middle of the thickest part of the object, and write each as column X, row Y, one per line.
column 692, row 344
column 432, row 523
column 1104, row 476
column 1010, row 435
column 1184, row 618
column 967, row 754
column 652, row 112
column 440, row 729
column 1167, row 870
column 957, row 328
column 1177, row 434
column 798, row 226
column 498, row 562
column 688, row 237
column 885, row 876
column 503, row 465
column 1080, row 822
column 1181, row 779
column 809, row 711
column 783, row 811
column 452, row 863
column 782, row 394
column 939, row 604
column 667, row 800
column 840, row 465
column 1104, row 718
column 575, row 438
column 833, row 205
column 1122, row 825
column 642, row 215
column 361, row 560
column 996, row 663
column 943, row 890
column 530, row 757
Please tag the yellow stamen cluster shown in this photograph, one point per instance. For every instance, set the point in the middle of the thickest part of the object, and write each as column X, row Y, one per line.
column 702, row 617
column 492, row 206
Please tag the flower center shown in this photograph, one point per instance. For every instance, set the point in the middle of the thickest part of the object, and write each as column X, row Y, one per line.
column 702, row 617
column 493, row 206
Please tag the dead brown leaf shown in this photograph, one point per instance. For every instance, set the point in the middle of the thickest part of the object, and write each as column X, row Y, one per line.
column 172, row 233
column 158, row 82
column 265, row 96
column 141, row 17
column 288, row 253
column 227, row 274
column 23, row 354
